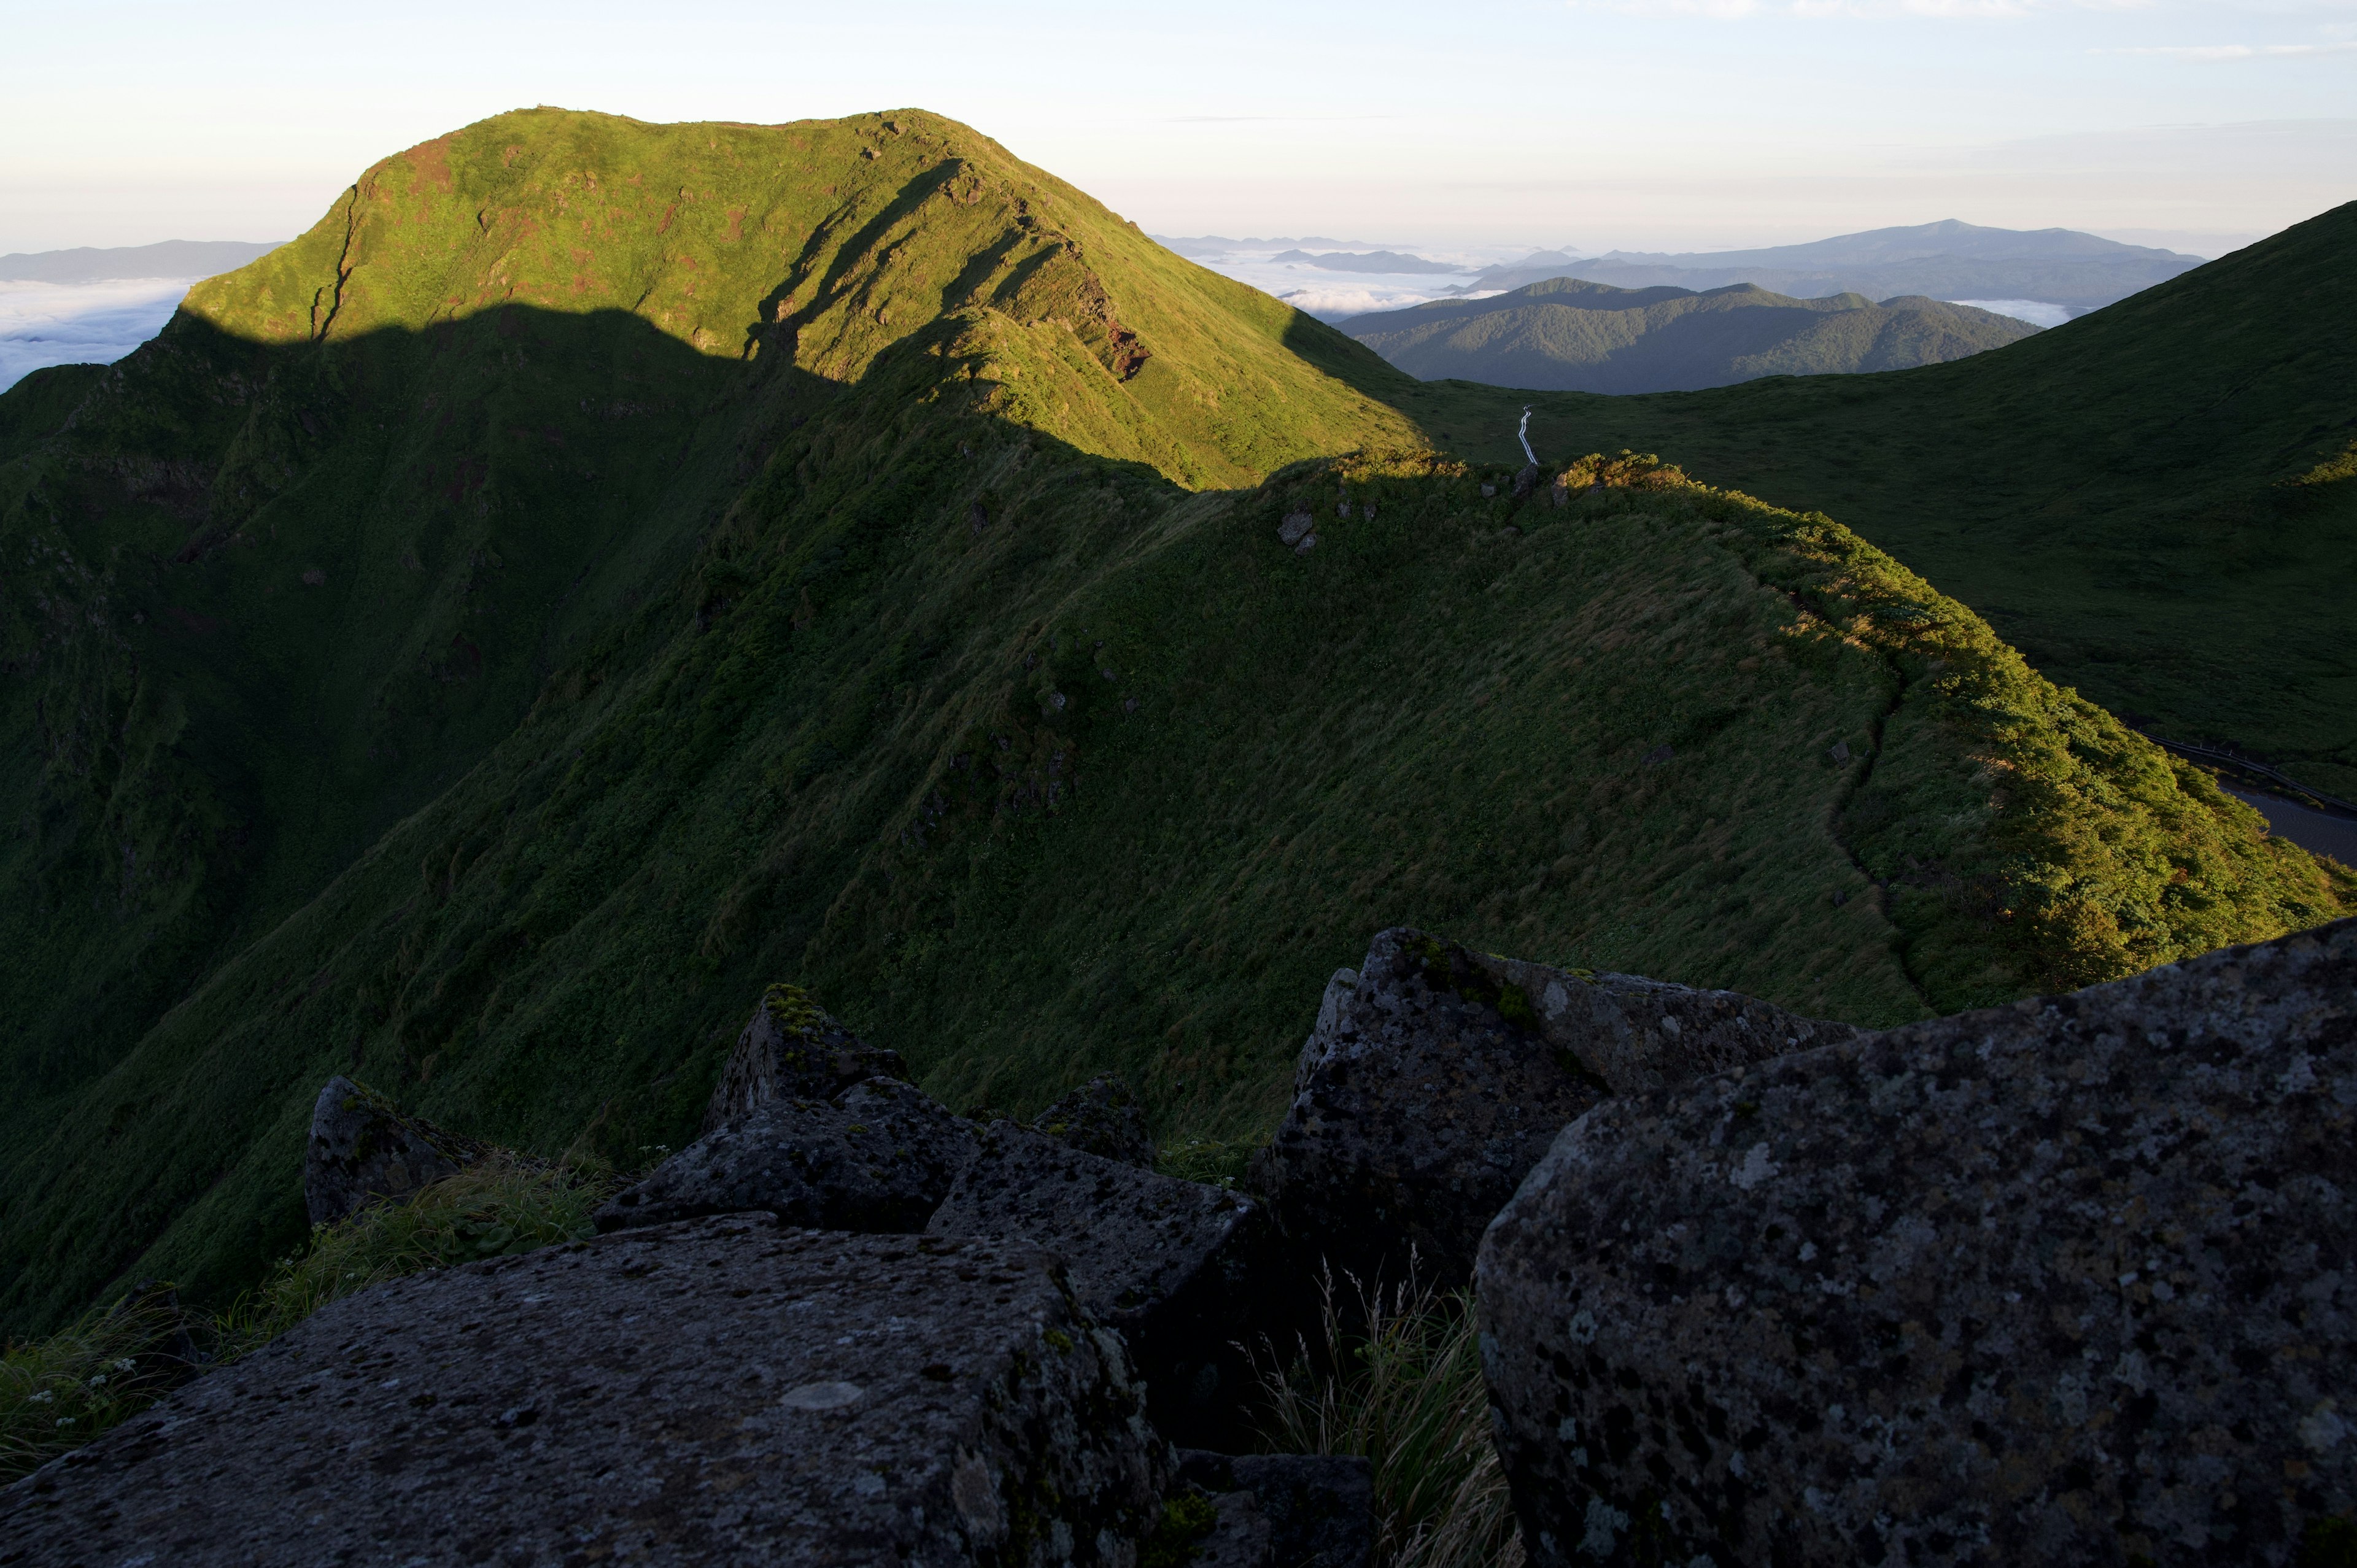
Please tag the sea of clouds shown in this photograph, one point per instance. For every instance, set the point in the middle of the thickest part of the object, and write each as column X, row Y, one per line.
column 1332, row 295
column 79, row 324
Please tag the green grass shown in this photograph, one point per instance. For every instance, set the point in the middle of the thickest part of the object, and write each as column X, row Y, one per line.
column 1396, row 1378
column 2116, row 495
column 1567, row 335
column 802, row 578
column 58, row 1393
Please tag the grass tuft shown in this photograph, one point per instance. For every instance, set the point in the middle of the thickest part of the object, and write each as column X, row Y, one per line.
column 1405, row 1390
column 58, row 1393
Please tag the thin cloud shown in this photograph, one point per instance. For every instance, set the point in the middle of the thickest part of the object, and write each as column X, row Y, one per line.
column 1969, row 10
column 2235, row 51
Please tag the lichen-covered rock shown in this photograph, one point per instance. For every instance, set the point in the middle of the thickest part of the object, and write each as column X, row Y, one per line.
column 1239, row 1536
column 880, row 1156
column 1101, row 1117
column 363, row 1150
column 725, row 1390
column 1436, row 1077
column 794, row 1049
column 1169, row 1262
column 1321, row 1507
column 2068, row 1280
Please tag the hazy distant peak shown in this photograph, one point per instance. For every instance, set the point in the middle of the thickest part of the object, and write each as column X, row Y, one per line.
column 169, row 259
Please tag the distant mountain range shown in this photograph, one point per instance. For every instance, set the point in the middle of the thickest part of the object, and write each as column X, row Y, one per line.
column 1947, row 260
column 1200, row 246
column 1393, row 261
column 1569, row 335
column 170, row 259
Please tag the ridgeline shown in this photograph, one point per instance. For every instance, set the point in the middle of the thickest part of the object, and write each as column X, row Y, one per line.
column 603, row 568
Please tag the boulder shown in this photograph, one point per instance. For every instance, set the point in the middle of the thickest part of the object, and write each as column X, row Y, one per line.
column 1101, row 1117
column 794, row 1049
column 1239, row 1536
column 1321, row 1507
column 723, row 1390
column 1436, row 1077
column 880, row 1156
column 1167, row 1262
column 2066, row 1281
column 363, row 1150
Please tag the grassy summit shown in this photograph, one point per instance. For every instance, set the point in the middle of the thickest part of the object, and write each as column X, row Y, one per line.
column 2155, row 502
column 1569, row 336
column 604, row 568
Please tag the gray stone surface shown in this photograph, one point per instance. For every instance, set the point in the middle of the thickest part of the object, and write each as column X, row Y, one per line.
column 1436, row 1077
column 2069, row 1281
column 1239, row 1537
column 880, row 1156
column 1169, row 1262
column 1101, row 1117
column 722, row 1391
column 794, row 1049
column 363, row 1150
column 1321, row 1507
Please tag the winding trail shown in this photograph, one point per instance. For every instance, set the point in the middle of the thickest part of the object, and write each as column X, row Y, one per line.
column 1523, row 434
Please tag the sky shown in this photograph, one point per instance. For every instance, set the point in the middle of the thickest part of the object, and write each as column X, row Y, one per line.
column 1584, row 124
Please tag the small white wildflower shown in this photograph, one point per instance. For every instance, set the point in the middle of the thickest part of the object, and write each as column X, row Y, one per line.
column 99, row 1382
column 125, row 1365
column 44, row 1396
column 65, row 1420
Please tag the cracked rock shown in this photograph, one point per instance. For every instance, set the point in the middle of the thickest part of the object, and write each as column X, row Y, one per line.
column 363, row 1150
column 878, row 1157
column 725, row 1390
column 1435, row 1078
column 1101, row 1117
column 794, row 1049
column 1167, row 1262
column 2066, row 1281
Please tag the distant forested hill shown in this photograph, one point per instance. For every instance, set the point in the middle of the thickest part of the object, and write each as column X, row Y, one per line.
column 1569, row 335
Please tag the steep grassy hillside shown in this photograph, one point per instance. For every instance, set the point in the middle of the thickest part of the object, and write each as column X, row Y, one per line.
column 2146, row 500
column 1565, row 335
column 604, row 568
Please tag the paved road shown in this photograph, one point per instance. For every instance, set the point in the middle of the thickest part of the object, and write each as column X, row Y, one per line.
column 2311, row 829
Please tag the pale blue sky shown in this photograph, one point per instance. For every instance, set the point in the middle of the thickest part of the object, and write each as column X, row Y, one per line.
column 1649, row 124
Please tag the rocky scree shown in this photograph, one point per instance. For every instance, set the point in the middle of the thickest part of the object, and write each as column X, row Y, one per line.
column 1436, row 1077
column 880, row 1156
column 722, row 1390
column 1170, row 1263
column 2066, row 1281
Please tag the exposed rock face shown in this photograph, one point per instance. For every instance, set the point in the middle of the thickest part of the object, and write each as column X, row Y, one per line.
column 878, row 1157
column 362, row 1150
column 794, row 1049
column 2069, row 1281
column 1165, row 1262
column 722, row 1390
column 1321, row 1507
column 1436, row 1077
column 1101, row 1117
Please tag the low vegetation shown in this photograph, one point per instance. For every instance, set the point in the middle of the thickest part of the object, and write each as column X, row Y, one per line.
column 1396, row 1378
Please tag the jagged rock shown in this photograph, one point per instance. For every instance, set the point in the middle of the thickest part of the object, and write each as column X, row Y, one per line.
column 1101, row 1117
column 1165, row 1262
column 721, row 1390
column 1239, row 1536
column 880, row 1156
column 1321, row 1507
column 362, row 1149
column 794, row 1049
column 1436, row 1077
column 1298, row 524
column 2068, row 1280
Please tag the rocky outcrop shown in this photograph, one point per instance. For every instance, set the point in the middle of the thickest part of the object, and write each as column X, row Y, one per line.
column 1321, row 1507
column 1436, row 1077
column 794, row 1049
column 1101, row 1117
column 720, row 1391
column 2068, row 1280
column 878, row 1157
column 363, row 1150
column 1165, row 1262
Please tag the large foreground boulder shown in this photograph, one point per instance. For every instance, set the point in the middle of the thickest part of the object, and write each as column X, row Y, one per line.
column 794, row 1050
column 725, row 1390
column 2069, row 1281
column 1167, row 1262
column 362, row 1150
column 1436, row 1077
column 880, row 1158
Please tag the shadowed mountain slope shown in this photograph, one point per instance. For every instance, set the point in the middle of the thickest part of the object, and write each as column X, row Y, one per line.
column 2154, row 502
column 603, row 568
column 1570, row 336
